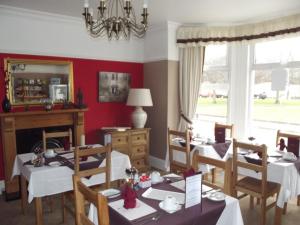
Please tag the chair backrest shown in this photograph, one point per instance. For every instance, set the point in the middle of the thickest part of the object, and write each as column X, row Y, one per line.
column 103, row 151
column 59, row 134
column 220, row 131
column 224, row 165
column 185, row 148
column 259, row 166
column 84, row 194
column 293, row 140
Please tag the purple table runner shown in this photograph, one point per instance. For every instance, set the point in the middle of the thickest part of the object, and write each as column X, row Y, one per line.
column 183, row 144
column 296, row 163
column 221, row 148
column 66, row 162
column 208, row 214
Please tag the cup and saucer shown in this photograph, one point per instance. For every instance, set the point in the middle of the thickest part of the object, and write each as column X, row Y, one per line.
column 170, row 204
column 50, row 153
column 156, row 178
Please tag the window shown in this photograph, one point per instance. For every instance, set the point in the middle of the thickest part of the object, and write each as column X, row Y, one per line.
column 213, row 96
column 280, row 51
column 276, row 107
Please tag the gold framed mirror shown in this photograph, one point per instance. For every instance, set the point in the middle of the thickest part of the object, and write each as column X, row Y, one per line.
column 38, row 81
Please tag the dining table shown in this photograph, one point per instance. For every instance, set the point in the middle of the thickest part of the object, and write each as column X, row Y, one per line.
column 51, row 179
column 281, row 171
column 208, row 212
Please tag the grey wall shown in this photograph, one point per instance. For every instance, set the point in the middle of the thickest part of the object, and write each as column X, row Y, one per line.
column 161, row 77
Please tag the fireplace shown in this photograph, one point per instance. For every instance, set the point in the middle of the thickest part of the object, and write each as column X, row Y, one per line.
column 28, row 140
column 14, row 127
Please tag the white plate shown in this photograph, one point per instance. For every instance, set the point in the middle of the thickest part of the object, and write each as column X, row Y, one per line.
column 290, row 160
column 54, row 164
column 50, row 156
column 216, row 196
column 161, row 205
column 161, row 179
column 111, row 193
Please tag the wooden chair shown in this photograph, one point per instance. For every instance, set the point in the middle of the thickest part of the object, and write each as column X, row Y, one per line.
column 84, row 194
column 83, row 153
column 256, row 188
column 286, row 135
column 226, row 127
column 59, row 134
column 175, row 166
column 224, row 165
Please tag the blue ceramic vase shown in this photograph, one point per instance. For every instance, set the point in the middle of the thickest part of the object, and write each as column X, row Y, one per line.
column 6, row 106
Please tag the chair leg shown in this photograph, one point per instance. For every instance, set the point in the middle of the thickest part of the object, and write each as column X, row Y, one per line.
column 23, row 194
column 277, row 219
column 263, row 211
column 213, row 175
column 251, row 202
column 257, row 201
column 64, row 211
column 284, row 208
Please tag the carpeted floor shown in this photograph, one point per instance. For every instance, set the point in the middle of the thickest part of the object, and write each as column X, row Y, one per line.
column 10, row 214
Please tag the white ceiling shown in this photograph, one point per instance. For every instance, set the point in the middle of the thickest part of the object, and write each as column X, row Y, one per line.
column 181, row 11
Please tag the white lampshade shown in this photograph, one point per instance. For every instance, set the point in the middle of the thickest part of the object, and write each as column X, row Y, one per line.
column 139, row 97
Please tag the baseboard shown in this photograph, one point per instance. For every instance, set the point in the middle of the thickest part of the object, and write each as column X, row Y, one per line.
column 157, row 163
column 2, row 186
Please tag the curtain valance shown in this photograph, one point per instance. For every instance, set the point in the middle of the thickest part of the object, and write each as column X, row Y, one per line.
column 204, row 35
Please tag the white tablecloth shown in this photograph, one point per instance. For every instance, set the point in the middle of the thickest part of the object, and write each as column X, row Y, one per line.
column 230, row 215
column 46, row 180
column 201, row 149
column 280, row 172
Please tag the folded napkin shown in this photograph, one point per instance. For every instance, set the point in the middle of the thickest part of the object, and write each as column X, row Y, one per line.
column 188, row 173
column 129, row 196
column 281, row 144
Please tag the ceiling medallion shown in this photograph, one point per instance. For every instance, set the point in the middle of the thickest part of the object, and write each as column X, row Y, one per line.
column 115, row 19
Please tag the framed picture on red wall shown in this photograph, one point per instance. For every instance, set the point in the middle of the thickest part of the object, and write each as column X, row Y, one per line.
column 113, row 87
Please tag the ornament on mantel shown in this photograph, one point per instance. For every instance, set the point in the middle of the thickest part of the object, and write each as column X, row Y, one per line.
column 80, row 104
column 6, row 105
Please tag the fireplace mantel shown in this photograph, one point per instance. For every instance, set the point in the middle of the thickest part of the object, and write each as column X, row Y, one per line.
column 10, row 122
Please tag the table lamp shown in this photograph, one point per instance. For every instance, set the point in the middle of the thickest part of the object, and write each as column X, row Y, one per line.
column 139, row 97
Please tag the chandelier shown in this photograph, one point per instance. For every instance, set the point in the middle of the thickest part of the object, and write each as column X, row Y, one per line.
column 115, row 18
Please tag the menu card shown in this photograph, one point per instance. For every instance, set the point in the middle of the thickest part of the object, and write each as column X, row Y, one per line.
column 193, row 190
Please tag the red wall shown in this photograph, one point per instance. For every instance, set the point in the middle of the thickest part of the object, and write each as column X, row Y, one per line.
column 86, row 78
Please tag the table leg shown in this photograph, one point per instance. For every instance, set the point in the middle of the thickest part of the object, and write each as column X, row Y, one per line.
column 39, row 211
column 24, row 196
column 278, row 213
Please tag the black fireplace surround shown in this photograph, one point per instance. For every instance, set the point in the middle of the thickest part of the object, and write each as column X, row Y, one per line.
column 29, row 139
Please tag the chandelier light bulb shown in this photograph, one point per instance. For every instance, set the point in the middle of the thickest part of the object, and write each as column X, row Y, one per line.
column 145, row 4
column 86, row 3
